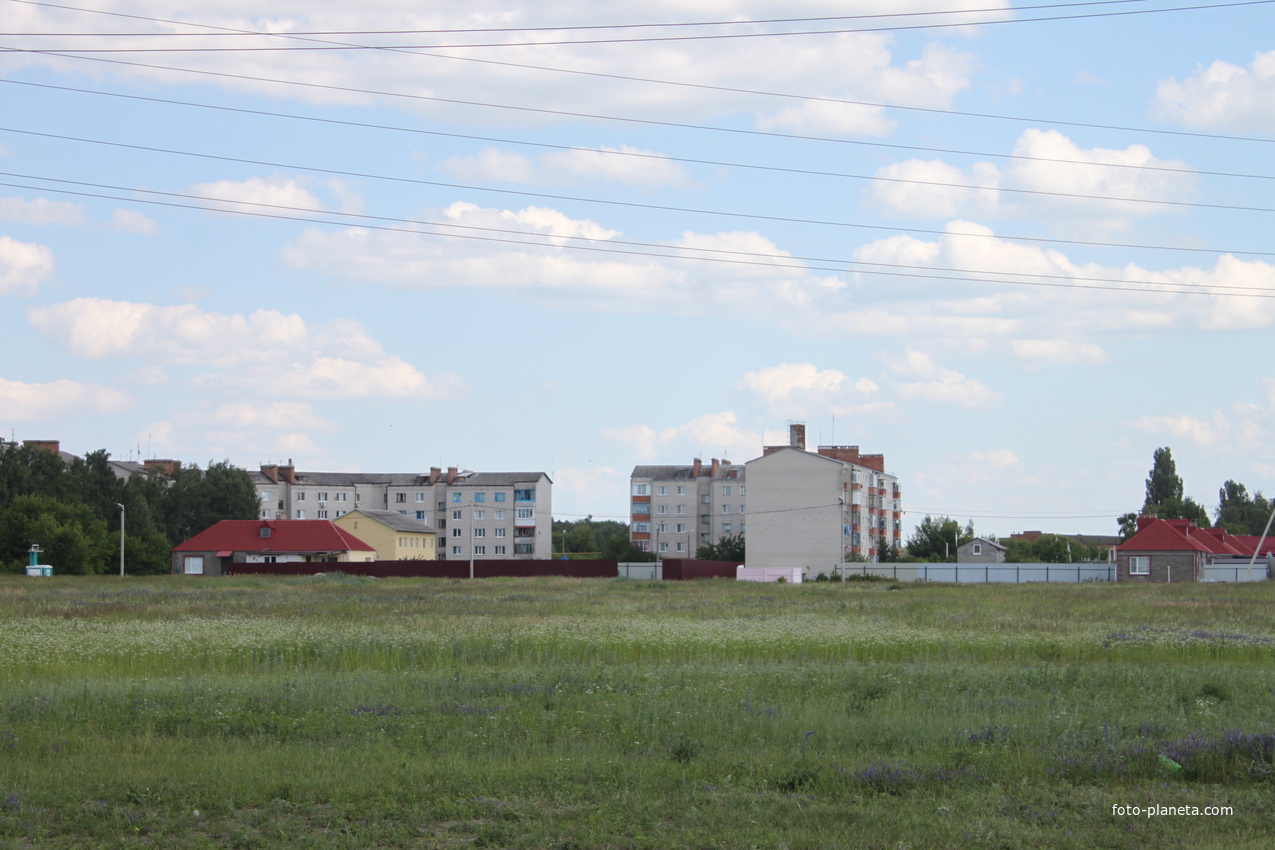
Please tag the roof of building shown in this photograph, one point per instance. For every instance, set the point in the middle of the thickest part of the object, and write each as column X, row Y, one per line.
column 992, row 543
column 399, row 479
column 1182, row 535
column 395, row 520
column 687, row 473
column 289, row 535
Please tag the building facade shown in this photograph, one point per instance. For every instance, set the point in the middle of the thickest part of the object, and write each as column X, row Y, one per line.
column 395, row 537
column 476, row 515
column 676, row 509
column 817, row 509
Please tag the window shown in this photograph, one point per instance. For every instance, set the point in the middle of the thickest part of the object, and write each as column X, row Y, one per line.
column 742, row 490
column 661, row 490
column 523, row 548
column 525, row 495
column 978, row 549
column 499, row 497
column 681, row 489
column 193, row 565
column 500, row 550
column 741, row 509
column 265, row 495
column 480, row 514
column 455, row 498
column 741, row 528
column 661, row 509
column 641, row 489
column 480, row 532
column 663, row 528
column 681, row 547
column 321, row 514
column 420, row 497
column 400, row 497
column 725, row 509
column 457, row 532
column 681, row 528
column 499, row 514
column 1140, row 565
column 644, row 545
column 497, row 532
column 340, row 497
column 525, row 513
column 420, row 515
column 404, row 513
column 681, row 509
column 456, row 550
column 726, row 490
column 663, row 546
column 641, row 528
column 480, row 497
column 706, row 499
column 480, row 550
column 638, row 507
column 300, row 514
column 458, row 514
column 300, row 495
column 323, row 497
column 726, row 528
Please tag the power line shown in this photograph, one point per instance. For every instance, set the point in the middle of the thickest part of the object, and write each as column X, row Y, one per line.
column 324, row 46
column 662, row 252
column 629, row 78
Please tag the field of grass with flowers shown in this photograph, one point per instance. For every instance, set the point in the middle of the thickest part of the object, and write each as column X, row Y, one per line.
column 557, row 713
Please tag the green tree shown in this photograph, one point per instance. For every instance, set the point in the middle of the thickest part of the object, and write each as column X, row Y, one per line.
column 590, row 538
column 937, row 540
column 193, row 499
column 1240, row 513
column 729, row 548
column 1165, row 493
column 71, row 538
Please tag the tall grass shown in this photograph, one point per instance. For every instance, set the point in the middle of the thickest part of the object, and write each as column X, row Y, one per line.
column 568, row 713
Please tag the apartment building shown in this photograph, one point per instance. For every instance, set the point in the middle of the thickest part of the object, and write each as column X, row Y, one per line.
column 676, row 509
column 815, row 509
column 477, row 515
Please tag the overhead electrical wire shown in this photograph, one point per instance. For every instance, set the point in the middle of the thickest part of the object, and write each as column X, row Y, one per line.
column 545, row 195
column 665, row 251
column 680, row 38
column 629, row 78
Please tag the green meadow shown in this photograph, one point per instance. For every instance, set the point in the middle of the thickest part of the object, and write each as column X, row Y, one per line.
column 560, row 713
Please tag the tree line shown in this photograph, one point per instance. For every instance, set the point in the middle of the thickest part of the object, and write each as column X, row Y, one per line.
column 71, row 510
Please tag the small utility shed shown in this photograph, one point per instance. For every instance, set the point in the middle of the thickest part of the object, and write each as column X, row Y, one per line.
column 980, row 550
column 257, row 541
column 1168, row 550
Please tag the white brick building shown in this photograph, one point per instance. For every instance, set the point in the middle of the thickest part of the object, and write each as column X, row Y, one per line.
column 676, row 509
column 477, row 515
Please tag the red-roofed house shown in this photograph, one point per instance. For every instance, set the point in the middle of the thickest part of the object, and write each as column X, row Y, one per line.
column 1167, row 550
column 256, row 541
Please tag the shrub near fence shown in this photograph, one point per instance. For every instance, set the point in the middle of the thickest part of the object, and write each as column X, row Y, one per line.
column 435, row 569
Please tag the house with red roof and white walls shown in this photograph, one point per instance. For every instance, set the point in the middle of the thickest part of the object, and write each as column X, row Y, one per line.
column 256, row 541
column 1169, row 550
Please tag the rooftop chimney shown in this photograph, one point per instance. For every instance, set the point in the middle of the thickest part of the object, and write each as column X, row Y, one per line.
column 271, row 471
column 695, row 467
column 797, row 435
column 451, row 475
column 434, row 474
column 50, row 445
column 716, row 466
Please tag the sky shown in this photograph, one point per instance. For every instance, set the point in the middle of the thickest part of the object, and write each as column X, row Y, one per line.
column 1015, row 250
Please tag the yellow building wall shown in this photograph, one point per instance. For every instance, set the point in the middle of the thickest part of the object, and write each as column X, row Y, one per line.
column 390, row 545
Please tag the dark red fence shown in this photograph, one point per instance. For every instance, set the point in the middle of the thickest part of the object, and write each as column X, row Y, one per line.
column 435, row 569
column 685, row 569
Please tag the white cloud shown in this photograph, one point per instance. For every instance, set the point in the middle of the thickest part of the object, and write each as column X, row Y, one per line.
column 269, row 352
column 23, row 402
column 23, row 266
column 40, row 211
column 276, row 416
column 1222, row 95
column 938, row 385
column 802, row 389
column 623, row 164
column 998, row 458
column 714, row 434
column 1068, row 179
column 1183, row 425
column 1058, row 351
column 131, row 221
column 273, row 191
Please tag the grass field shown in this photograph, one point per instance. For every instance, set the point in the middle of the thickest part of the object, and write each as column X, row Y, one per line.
column 558, row 713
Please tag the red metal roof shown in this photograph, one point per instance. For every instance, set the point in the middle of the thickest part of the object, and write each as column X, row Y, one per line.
column 1163, row 535
column 290, row 535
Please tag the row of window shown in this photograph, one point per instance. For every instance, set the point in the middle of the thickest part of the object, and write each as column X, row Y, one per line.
column 480, row 532
column 519, row 549
column 662, row 490
column 321, row 513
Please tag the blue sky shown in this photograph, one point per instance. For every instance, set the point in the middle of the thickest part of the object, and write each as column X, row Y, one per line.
column 1014, row 256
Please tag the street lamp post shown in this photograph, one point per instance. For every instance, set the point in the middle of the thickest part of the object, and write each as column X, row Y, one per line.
column 121, row 507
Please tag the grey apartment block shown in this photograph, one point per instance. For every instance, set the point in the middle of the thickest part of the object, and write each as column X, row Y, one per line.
column 676, row 509
column 477, row 515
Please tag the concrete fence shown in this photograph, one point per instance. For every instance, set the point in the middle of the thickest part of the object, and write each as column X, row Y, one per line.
column 984, row 573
